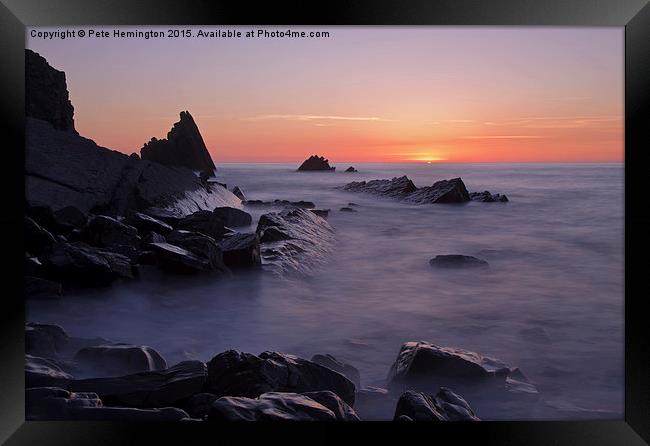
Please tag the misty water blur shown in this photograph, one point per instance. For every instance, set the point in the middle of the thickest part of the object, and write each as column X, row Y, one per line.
column 551, row 301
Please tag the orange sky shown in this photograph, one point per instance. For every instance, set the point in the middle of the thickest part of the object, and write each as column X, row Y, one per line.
column 372, row 94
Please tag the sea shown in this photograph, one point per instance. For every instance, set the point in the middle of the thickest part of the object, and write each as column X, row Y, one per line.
column 551, row 302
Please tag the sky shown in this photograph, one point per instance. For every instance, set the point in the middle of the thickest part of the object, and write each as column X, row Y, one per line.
column 363, row 94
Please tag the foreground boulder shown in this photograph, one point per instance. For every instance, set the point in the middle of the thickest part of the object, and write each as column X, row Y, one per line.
column 53, row 403
column 79, row 264
column 294, row 241
column 234, row 373
column 119, row 359
column 241, row 250
column 147, row 389
column 457, row 261
column 316, row 162
column 375, row 403
column 487, row 197
column 402, row 188
column 445, row 406
column 233, row 217
column 274, row 406
column 345, row 369
column 425, row 366
column 184, row 147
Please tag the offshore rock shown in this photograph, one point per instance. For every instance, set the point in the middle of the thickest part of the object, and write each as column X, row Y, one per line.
column 457, row 261
column 487, row 197
column 316, row 162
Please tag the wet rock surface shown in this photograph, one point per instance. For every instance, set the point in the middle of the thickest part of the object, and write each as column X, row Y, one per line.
column 345, row 369
column 402, row 188
column 445, row 406
column 294, row 241
column 487, row 197
column 235, row 373
column 119, row 359
column 233, row 217
column 147, row 389
column 241, row 250
column 272, row 406
column 184, row 147
column 316, row 162
column 457, row 261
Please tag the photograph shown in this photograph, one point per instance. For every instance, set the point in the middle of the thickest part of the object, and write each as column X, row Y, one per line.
column 324, row 223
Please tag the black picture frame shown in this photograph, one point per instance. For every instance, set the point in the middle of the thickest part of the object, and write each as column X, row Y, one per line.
column 634, row 15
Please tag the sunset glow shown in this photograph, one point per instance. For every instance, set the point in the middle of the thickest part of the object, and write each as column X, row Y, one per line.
column 366, row 94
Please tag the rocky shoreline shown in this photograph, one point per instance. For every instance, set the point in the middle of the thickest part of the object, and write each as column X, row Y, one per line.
column 95, row 379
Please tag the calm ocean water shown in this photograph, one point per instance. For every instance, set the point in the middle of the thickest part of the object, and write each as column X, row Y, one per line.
column 551, row 302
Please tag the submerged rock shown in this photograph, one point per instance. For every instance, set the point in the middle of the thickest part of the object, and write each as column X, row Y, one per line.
column 345, row 369
column 275, row 406
column 294, row 240
column 457, row 261
column 184, row 146
column 316, row 162
column 241, row 250
column 234, row 373
column 147, row 389
column 346, row 209
column 445, row 406
column 119, row 359
column 487, row 197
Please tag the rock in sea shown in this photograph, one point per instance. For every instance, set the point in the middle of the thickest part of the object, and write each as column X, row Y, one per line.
column 457, row 261
column 316, row 162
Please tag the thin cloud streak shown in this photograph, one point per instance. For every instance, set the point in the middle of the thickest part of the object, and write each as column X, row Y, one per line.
column 317, row 118
column 504, row 137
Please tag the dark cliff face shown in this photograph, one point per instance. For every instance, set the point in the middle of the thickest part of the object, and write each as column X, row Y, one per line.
column 184, row 147
column 46, row 93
